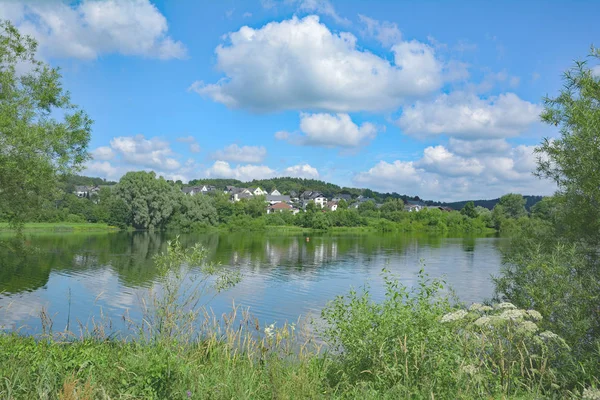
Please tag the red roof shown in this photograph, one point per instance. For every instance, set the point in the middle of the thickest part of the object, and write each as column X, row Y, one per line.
column 281, row 206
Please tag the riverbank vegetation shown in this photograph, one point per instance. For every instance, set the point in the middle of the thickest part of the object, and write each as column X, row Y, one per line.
column 416, row 343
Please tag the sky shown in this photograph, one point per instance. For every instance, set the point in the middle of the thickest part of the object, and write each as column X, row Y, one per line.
column 430, row 98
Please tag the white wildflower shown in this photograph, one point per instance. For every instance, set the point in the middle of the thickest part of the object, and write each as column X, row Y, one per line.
column 270, row 330
column 528, row 326
column 512, row 314
column 549, row 335
column 469, row 369
column 475, row 307
column 503, row 306
column 535, row 315
column 485, row 308
column 591, row 394
column 454, row 316
column 483, row 321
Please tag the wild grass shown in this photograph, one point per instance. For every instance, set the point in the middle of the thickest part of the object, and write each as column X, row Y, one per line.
column 60, row 226
column 417, row 343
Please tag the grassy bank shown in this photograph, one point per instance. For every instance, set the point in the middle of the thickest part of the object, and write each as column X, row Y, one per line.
column 61, row 227
column 416, row 343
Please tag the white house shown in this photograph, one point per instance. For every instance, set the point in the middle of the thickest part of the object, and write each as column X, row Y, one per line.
column 275, row 193
column 332, row 205
column 257, row 191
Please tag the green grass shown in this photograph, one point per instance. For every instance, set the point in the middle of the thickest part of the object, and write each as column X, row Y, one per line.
column 415, row 344
column 60, row 226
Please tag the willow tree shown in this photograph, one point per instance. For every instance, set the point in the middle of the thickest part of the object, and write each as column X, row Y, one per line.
column 43, row 135
column 572, row 160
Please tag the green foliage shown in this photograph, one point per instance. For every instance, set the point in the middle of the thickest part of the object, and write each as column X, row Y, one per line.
column 469, row 210
column 367, row 206
column 149, row 200
column 512, row 205
column 414, row 345
column 571, row 161
column 35, row 147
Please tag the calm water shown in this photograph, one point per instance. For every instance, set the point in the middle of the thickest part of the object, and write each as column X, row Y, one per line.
column 80, row 276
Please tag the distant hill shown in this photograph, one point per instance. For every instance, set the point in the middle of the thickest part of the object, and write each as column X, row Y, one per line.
column 458, row 205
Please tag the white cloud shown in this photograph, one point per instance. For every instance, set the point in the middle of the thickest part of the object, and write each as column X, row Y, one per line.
column 247, row 15
column 323, row 7
column 150, row 153
column 330, row 130
column 222, row 169
column 439, row 160
column 479, row 146
column 301, row 64
column 91, row 28
column 244, row 154
column 195, row 148
column 301, row 171
column 103, row 153
column 596, row 70
column 103, row 169
column 387, row 33
column 443, row 175
column 467, row 116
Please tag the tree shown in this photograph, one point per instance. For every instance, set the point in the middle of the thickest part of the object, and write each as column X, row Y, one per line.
column 342, row 205
column 36, row 148
column 572, row 160
column 513, row 205
column 150, row 201
column 366, row 206
column 391, row 204
column 469, row 210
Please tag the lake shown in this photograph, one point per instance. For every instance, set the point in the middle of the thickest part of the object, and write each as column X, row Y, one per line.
column 78, row 277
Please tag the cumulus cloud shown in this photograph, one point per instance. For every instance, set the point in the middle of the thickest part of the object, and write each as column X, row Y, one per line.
column 150, row 153
column 595, row 71
column 301, row 171
column 330, row 130
column 88, row 29
column 195, row 148
column 103, row 153
column 244, row 154
column 467, row 116
column 439, row 160
column 443, row 175
column 134, row 153
column 222, row 169
column 479, row 146
column 387, row 33
column 301, row 64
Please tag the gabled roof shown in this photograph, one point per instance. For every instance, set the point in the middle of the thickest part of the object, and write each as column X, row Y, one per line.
column 281, row 206
column 270, row 197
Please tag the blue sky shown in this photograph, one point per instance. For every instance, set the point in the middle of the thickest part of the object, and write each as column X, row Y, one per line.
column 435, row 99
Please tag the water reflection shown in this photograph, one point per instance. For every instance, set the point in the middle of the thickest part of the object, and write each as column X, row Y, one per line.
column 284, row 276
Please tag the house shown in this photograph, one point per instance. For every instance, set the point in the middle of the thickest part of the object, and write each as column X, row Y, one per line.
column 240, row 193
column 294, row 195
column 279, row 207
column 346, row 197
column 414, row 206
column 86, row 191
column 257, row 191
column 208, row 188
column 332, row 205
column 316, row 197
column 192, row 190
column 272, row 199
column 275, row 192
